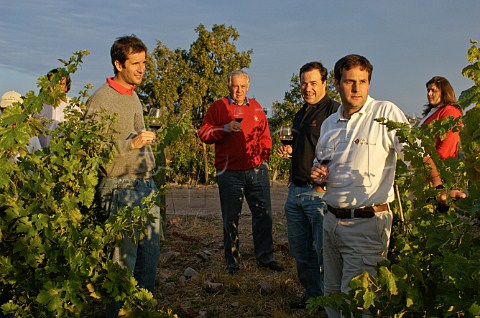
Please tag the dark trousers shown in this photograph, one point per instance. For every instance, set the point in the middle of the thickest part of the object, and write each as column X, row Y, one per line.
column 254, row 185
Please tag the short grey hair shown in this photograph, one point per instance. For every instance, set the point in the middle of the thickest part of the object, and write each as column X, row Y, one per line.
column 238, row 72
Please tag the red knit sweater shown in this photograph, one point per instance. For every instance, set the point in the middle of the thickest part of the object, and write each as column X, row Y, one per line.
column 447, row 147
column 237, row 150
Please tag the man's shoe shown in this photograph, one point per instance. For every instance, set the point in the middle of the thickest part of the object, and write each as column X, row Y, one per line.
column 274, row 266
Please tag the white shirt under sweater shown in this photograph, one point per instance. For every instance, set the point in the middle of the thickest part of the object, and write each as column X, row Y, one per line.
column 363, row 155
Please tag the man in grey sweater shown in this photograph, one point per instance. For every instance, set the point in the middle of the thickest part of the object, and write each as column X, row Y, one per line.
column 128, row 179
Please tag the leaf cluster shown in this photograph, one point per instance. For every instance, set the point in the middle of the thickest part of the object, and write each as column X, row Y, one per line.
column 56, row 254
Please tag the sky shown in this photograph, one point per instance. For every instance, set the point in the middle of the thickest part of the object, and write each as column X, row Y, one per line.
column 407, row 41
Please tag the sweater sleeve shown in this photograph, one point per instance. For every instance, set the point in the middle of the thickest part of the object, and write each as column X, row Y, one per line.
column 265, row 141
column 212, row 129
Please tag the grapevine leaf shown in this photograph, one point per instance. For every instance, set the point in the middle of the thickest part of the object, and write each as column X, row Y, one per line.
column 369, row 299
column 388, row 279
column 474, row 309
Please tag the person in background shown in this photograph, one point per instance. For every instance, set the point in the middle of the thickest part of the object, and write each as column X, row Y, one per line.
column 442, row 103
column 242, row 150
column 8, row 99
column 361, row 155
column 129, row 177
column 304, row 208
column 55, row 114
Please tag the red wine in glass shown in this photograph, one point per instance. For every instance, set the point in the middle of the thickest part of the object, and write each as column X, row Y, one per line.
column 286, row 136
column 286, row 140
column 155, row 118
column 155, row 126
column 238, row 113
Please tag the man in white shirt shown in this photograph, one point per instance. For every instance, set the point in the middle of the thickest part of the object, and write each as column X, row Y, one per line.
column 358, row 155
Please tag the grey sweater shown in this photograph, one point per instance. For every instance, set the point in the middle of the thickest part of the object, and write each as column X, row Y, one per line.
column 127, row 162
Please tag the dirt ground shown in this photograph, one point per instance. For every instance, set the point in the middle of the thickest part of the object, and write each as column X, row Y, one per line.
column 194, row 240
column 192, row 280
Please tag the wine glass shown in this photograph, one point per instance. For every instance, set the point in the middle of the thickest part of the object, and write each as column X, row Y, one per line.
column 323, row 157
column 155, row 118
column 286, row 136
column 238, row 113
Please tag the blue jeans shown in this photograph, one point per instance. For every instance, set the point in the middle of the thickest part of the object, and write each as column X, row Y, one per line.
column 254, row 185
column 304, row 210
column 140, row 256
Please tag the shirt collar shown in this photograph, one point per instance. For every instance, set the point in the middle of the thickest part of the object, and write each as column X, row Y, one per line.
column 365, row 108
column 231, row 101
column 120, row 88
column 319, row 104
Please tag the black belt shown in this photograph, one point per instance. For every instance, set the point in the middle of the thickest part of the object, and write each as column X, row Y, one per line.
column 366, row 212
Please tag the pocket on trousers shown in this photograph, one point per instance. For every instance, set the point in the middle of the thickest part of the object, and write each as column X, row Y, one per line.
column 132, row 198
column 370, row 264
column 107, row 203
column 372, row 261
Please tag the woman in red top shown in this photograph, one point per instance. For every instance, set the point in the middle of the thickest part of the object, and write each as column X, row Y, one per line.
column 442, row 103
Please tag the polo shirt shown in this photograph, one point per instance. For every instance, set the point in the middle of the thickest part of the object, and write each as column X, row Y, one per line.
column 119, row 87
column 363, row 155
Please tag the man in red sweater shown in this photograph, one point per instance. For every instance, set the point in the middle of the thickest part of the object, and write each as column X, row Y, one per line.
column 239, row 129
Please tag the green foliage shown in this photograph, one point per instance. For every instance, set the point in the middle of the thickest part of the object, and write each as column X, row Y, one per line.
column 471, row 134
column 56, row 255
column 471, row 96
column 331, row 91
column 433, row 269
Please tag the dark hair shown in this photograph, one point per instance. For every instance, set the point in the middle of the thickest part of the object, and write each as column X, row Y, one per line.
column 52, row 73
column 446, row 91
column 350, row 61
column 123, row 46
column 315, row 66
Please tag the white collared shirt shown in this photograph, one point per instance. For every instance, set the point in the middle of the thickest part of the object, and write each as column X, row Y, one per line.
column 362, row 153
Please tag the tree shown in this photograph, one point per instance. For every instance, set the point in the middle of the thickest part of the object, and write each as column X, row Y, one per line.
column 331, row 91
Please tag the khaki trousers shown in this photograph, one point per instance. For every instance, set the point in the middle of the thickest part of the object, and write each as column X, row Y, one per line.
column 351, row 247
